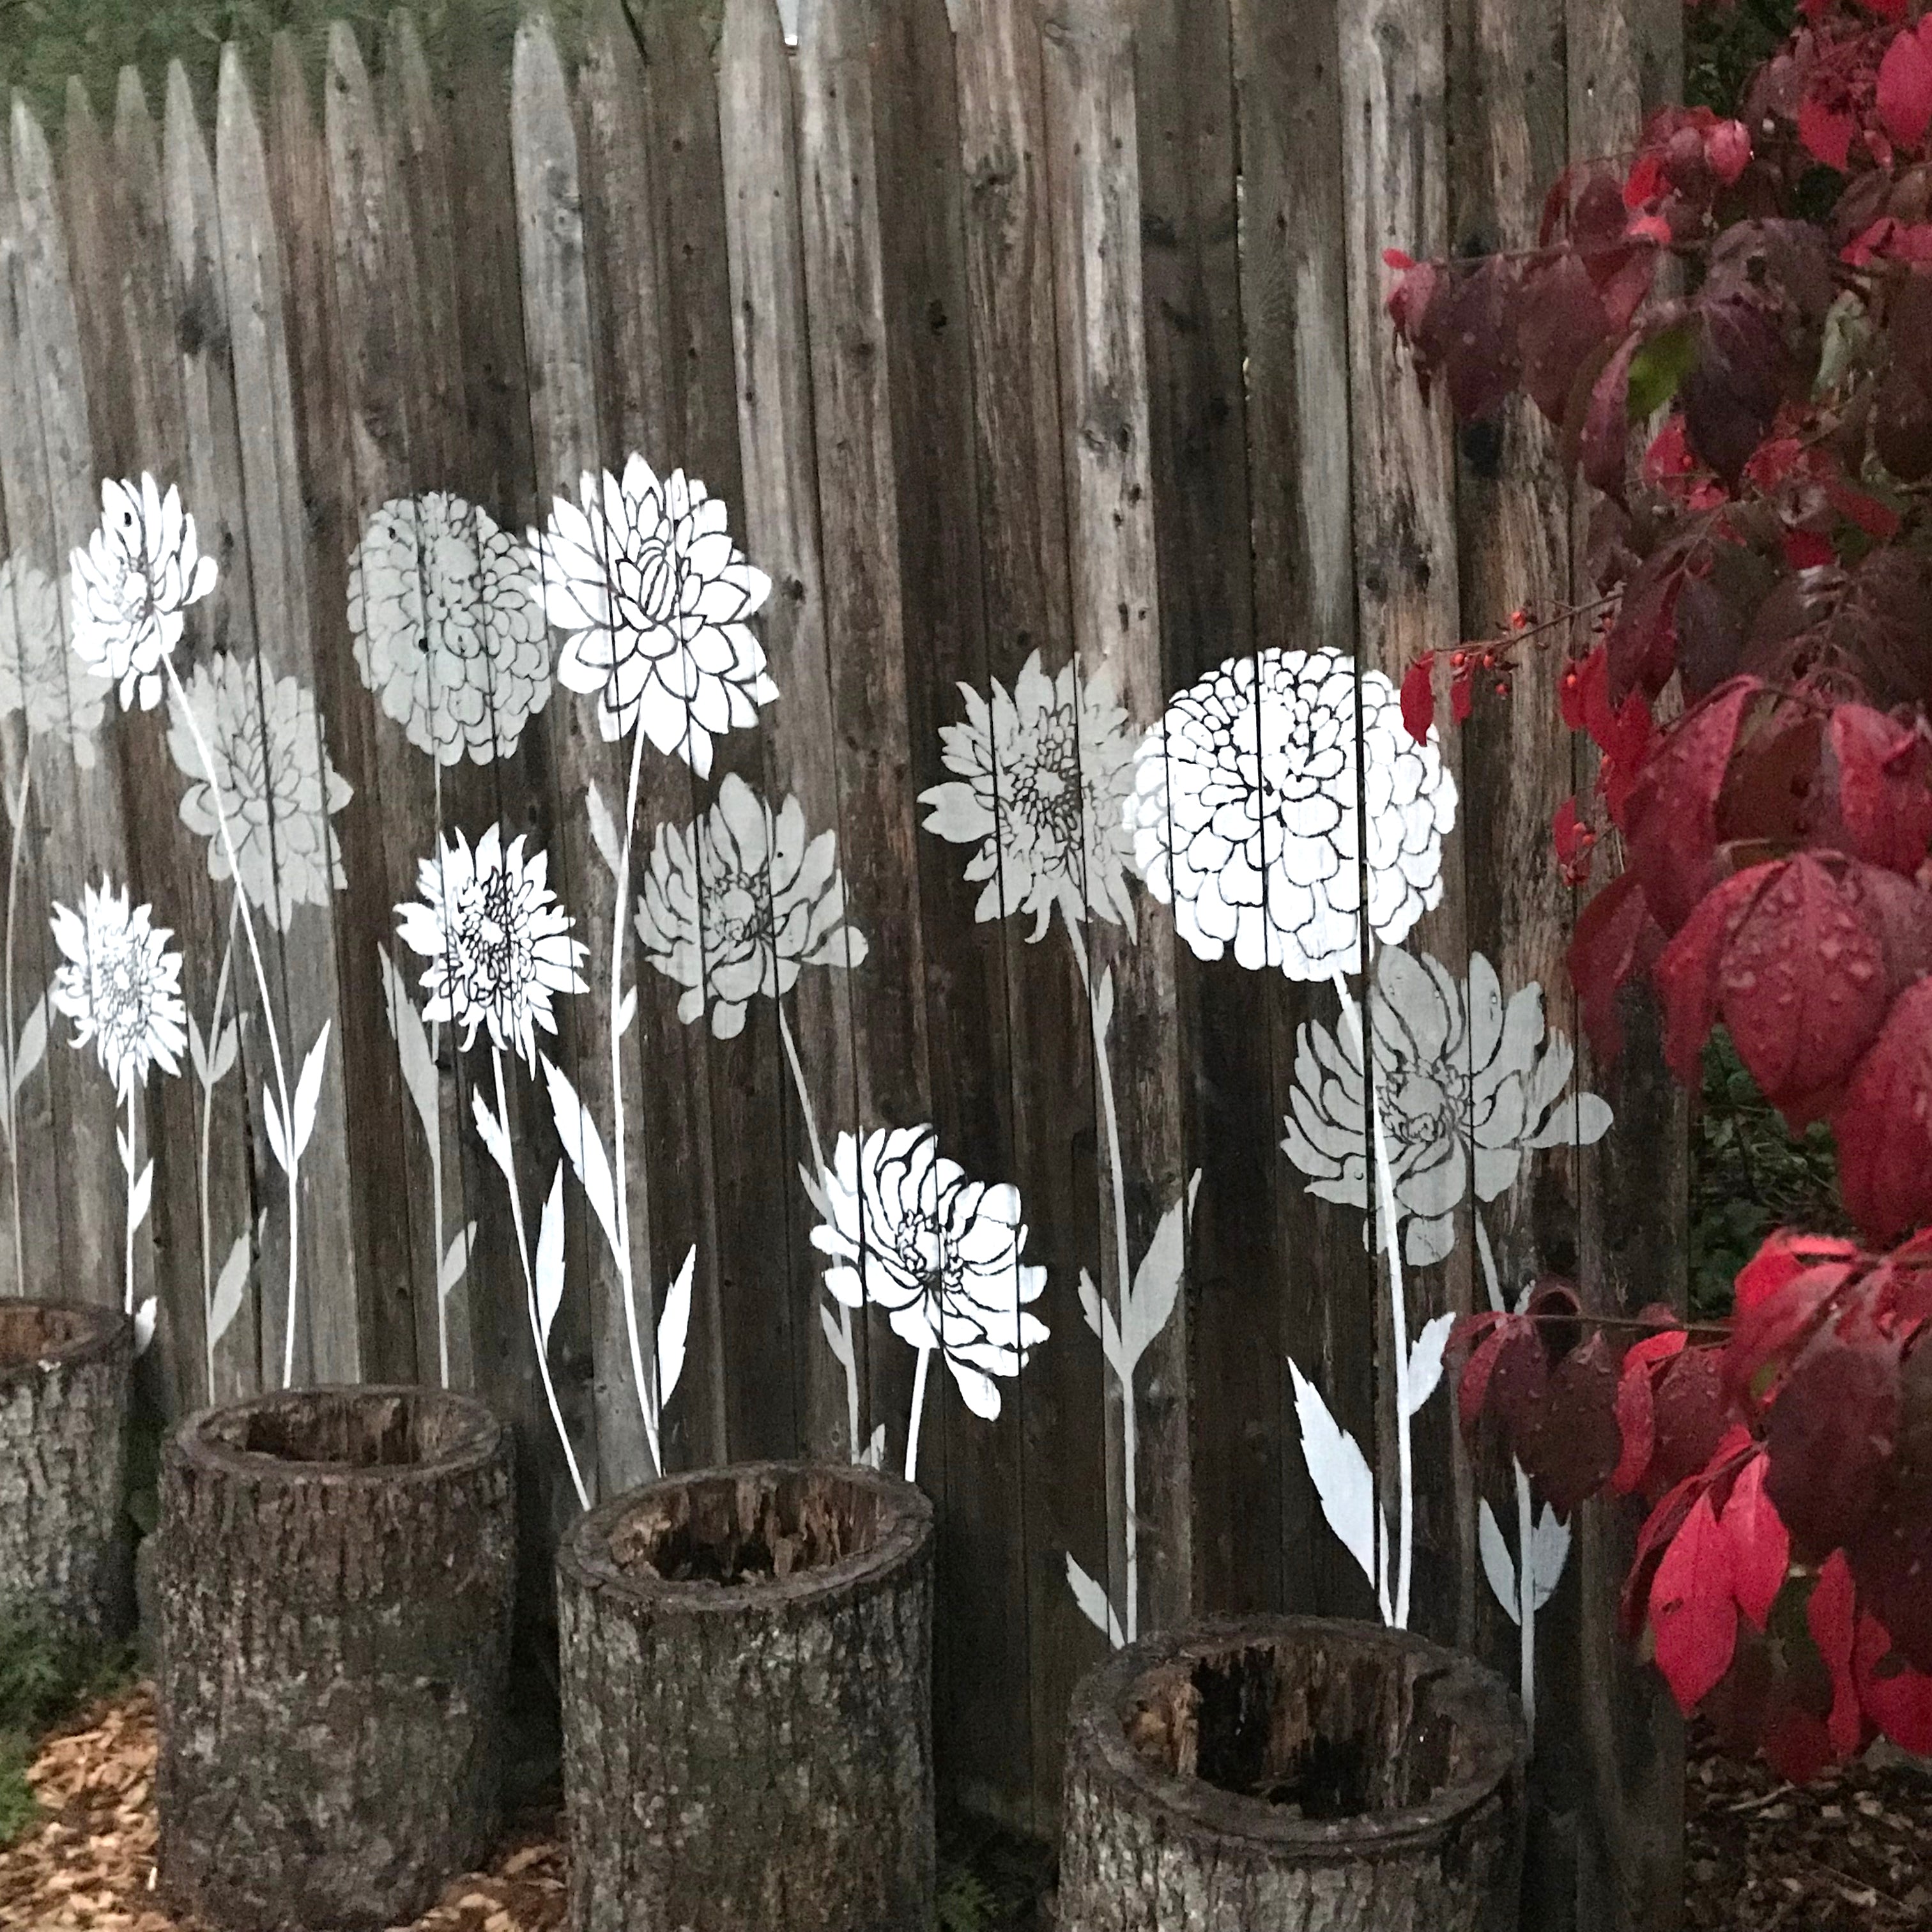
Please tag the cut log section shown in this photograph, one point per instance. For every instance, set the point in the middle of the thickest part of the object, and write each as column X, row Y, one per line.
column 65, row 1543
column 335, row 1584
column 1292, row 1771
column 747, row 1704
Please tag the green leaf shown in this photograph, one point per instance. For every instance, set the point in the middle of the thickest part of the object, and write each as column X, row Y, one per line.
column 1658, row 367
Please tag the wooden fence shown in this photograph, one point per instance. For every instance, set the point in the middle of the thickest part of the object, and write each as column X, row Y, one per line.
column 1036, row 354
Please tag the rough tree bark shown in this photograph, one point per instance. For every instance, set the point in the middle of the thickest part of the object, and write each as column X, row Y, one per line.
column 64, row 1386
column 335, row 1584
column 1299, row 1772
column 747, row 1704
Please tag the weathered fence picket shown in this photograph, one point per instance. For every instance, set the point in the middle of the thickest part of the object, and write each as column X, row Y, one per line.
column 1033, row 351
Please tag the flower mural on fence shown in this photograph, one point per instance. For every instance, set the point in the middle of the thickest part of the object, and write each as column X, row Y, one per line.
column 1245, row 819
column 653, row 597
column 911, row 1231
column 277, row 788
column 120, row 983
column 1044, row 773
column 1470, row 1085
column 499, row 950
column 34, row 681
column 139, row 572
column 448, row 620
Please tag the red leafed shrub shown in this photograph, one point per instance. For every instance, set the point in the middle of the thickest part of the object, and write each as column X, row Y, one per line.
column 1732, row 331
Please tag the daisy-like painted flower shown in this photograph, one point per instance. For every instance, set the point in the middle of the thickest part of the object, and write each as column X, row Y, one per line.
column 1469, row 1084
column 909, row 1231
column 283, row 780
column 448, row 625
column 735, row 906
column 1244, row 813
column 1043, row 775
column 140, row 571
column 33, row 662
column 120, row 984
column 498, row 943
column 655, row 597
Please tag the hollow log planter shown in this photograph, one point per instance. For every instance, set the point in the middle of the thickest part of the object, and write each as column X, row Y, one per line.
column 746, row 1668
column 1292, row 1771
column 335, row 1585
column 64, row 1548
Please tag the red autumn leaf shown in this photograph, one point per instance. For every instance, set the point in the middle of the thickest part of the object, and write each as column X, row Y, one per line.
column 1640, row 652
column 1665, row 1519
column 1692, row 1421
column 1767, row 1336
column 1897, row 1698
column 1687, row 975
column 1760, row 1546
column 1805, row 549
column 1826, row 128
column 1904, row 96
column 1673, row 814
column 1483, row 362
column 1560, row 325
column 1883, row 1125
column 1462, row 694
column 1829, row 1615
column 1637, row 1409
column 1784, row 1256
column 1692, row 1614
column 1830, row 1434
column 1878, row 521
column 1732, row 392
column 1571, row 1443
column 1727, row 147
column 1418, row 698
column 1644, row 182
column 1605, row 433
column 1472, row 1392
column 1615, row 938
column 1880, row 775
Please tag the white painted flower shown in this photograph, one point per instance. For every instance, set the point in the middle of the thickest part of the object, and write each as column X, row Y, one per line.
column 120, row 984
column 279, row 791
column 140, row 571
column 733, row 906
column 1044, row 774
column 498, row 943
column 448, row 625
column 1244, row 813
column 655, row 596
column 33, row 663
column 1469, row 1084
column 909, row 1231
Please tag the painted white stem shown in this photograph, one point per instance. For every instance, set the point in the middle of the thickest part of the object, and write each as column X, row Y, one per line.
column 12, row 1042
column 214, row 783
column 133, row 1151
column 1399, row 1312
column 851, row 1362
column 1525, row 1515
column 207, row 1140
column 918, row 1414
column 530, row 1285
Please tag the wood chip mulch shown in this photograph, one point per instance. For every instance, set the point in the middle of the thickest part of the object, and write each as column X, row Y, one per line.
column 1851, row 1853
column 87, row 1862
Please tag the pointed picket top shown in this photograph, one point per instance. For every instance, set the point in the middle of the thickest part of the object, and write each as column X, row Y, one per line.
column 133, row 123
column 537, row 83
column 836, row 30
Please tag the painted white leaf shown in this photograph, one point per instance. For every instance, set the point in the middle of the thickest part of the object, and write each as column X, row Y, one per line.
column 456, row 1262
column 814, row 1192
column 140, row 1197
column 1090, row 1303
column 225, row 1049
column 1498, row 1566
column 496, row 1141
column 1593, row 1119
column 1157, row 1279
column 550, row 1257
column 1093, row 1602
column 627, row 1011
column 144, row 1325
column 33, row 1047
column 197, row 1052
column 674, row 1327
column 229, row 1285
column 1425, row 1360
column 1103, row 1004
column 1549, row 1551
column 603, row 829
column 1100, row 1319
column 405, row 1028
column 874, row 1456
column 1339, row 1472
column 835, row 1336
column 271, row 1123
column 584, row 1146
column 308, row 1089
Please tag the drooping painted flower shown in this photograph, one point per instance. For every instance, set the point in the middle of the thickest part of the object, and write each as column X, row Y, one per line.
column 140, row 571
column 33, row 663
column 655, row 597
column 120, row 984
column 1244, row 814
column 733, row 906
column 278, row 789
column 448, row 624
column 1044, row 774
column 1469, row 1084
column 498, row 943
column 940, row 1252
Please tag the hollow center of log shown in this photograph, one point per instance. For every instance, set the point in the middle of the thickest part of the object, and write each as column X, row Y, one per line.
column 29, row 1332
column 1332, row 1729
column 345, row 1427
column 729, row 1531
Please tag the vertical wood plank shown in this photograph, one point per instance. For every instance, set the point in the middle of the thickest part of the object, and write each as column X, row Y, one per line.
column 328, row 1340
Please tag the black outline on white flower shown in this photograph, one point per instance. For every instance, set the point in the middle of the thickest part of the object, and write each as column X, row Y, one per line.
column 120, row 984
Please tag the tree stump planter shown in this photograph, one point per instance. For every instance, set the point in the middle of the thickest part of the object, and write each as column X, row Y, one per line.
column 1292, row 1771
column 334, row 1587
column 747, row 1705
column 65, row 1547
